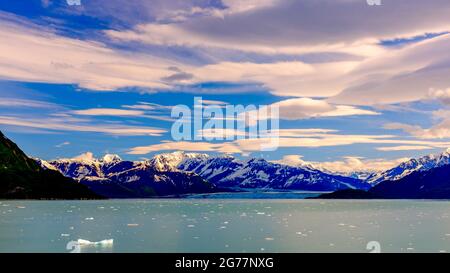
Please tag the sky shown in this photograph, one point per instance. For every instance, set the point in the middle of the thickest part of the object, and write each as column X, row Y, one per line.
column 358, row 87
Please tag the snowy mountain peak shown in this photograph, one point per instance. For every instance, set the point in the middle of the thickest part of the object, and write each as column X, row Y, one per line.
column 256, row 160
column 170, row 161
column 424, row 163
column 446, row 152
column 45, row 165
column 222, row 171
column 196, row 155
column 116, row 178
column 111, row 158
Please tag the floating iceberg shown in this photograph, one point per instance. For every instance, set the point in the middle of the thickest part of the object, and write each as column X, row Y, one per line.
column 83, row 242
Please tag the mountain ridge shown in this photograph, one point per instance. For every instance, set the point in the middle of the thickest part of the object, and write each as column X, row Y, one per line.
column 117, row 178
column 23, row 178
column 191, row 172
column 223, row 172
column 228, row 171
column 423, row 163
column 427, row 177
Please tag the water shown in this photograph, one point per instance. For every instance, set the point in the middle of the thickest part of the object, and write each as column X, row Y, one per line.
column 257, row 194
column 231, row 225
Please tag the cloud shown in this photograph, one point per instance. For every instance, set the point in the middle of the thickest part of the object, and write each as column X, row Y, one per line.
column 404, row 148
column 193, row 10
column 379, row 75
column 178, row 76
column 269, row 136
column 300, row 108
column 308, row 132
column 185, row 146
column 237, row 6
column 62, row 144
column 218, row 133
column 292, row 160
column 352, row 164
column 347, row 165
column 108, row 112
column 303, row 24
column 85, row 157
column 143, row 105
column 287, row 78
column 294, row 133
column 400, row 75
column 118, row 15
column 438, row 131
column 181, row 15
column 442, row 95
column 214, row 102
column 441, row 114
column 32, row 53
column 385, row 75
column 13, row 102
column 140, row 107
column 313, row 139
column 65, row 124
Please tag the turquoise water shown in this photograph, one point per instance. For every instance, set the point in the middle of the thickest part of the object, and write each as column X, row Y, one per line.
column 225, row 225
column 257, row 194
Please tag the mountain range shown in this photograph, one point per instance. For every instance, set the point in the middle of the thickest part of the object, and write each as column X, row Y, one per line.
column 182, row 173
column 227, row 171
column 116, row 178
column 424, row 163
column 179, row 173
column 426, row 177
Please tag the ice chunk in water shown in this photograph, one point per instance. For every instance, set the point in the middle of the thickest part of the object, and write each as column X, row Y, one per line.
column 83, row 242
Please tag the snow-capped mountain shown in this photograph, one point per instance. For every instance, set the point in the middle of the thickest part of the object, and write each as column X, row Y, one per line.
column 171, row 161
column 432, row 183
column 361, row 175
column 113, row 177
column 420, row 164
column 229, row 172
column 427, row 177
column 179, row 172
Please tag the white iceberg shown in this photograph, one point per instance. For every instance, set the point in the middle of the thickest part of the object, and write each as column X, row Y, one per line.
column 107, row 242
